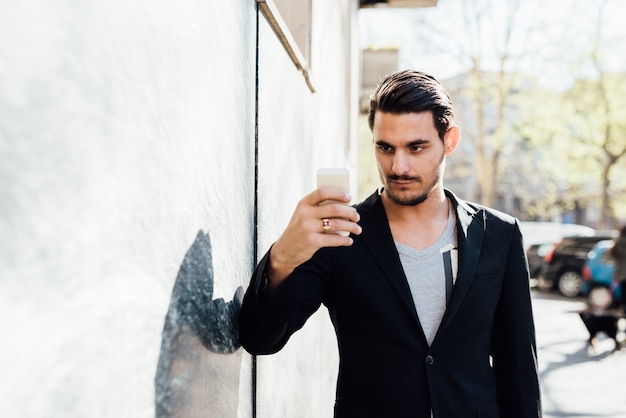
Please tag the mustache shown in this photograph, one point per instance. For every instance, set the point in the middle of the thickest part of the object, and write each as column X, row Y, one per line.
column 394, row 177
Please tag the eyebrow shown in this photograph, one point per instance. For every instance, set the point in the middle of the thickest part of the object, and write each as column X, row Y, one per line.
column 410, row 144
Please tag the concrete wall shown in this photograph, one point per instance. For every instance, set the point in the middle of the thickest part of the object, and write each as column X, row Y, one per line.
column 127, row 202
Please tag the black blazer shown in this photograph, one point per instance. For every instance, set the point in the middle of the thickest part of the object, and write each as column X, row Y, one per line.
column 482, row 362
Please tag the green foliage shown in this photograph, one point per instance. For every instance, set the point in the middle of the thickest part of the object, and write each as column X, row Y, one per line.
column 576, row 140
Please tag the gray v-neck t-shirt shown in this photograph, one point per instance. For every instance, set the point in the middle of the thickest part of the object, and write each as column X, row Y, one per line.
column 425, row 273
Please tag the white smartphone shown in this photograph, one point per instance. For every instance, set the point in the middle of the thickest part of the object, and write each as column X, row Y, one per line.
column 334, row 177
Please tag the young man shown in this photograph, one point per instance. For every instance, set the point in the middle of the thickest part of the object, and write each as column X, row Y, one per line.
column 429, row 296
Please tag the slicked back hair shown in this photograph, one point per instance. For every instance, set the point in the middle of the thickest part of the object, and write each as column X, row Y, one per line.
column 410, row 91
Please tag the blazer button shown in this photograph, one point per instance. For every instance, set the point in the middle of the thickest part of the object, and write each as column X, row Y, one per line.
column 429, row 360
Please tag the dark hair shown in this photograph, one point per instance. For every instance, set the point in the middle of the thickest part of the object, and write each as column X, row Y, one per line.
column 410, row 91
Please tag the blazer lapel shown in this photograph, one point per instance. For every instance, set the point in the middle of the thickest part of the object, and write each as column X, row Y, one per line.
column 377, row 237
column 470, row 232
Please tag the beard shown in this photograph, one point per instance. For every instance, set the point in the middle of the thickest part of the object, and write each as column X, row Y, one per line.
column 407, row 198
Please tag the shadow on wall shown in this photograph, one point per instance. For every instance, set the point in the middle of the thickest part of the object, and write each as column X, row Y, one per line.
column 199, row 364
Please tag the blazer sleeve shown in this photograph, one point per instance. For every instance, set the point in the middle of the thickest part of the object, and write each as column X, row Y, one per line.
column 514, row 348
column 268, row 319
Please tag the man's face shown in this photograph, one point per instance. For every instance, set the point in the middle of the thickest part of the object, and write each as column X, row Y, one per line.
column 410, row 155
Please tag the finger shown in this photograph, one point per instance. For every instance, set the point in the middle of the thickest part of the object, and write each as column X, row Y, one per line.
column 338, row 210
column 336, row 225
column 340, row 241
column 327, row 193
column 334, row 240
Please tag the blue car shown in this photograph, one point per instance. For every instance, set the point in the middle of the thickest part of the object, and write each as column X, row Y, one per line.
column 598, row 269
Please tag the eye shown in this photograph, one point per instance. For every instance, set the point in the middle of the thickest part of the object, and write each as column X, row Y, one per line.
column 416, row 148
column 384, row 147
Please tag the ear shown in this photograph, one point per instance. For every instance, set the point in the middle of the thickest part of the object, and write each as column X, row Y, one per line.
column 451, row 139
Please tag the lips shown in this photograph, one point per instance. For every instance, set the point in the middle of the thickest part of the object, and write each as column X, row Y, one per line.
column 401, row 181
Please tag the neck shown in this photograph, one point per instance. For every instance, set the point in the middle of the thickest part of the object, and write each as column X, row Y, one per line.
column 420, row 225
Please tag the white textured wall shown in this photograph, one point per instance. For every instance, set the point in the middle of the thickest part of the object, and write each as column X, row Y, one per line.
column 127, row 133
column 125, row 128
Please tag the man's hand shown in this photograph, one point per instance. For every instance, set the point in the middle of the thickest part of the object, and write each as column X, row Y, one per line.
column 305, row 233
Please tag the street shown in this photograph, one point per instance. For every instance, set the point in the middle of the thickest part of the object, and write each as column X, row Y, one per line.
column 576, row 381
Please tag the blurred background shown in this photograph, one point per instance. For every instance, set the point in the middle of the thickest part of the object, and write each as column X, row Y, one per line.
column 539, row 90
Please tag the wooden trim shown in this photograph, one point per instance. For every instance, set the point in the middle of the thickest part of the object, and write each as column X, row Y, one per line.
column 274, row 18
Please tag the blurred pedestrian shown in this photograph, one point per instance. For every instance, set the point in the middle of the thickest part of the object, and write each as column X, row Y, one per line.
column 429, row 295
column 618, row 254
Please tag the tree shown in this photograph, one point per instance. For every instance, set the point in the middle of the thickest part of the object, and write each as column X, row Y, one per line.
column 577, row 134
column 539, row 100
column 598, row 106
column 492, row 43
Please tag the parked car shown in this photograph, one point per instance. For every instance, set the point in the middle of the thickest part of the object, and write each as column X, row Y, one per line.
column 536, row 254
column 540, row 238
column 598, row 269
column 563, row 265
column 551, row 232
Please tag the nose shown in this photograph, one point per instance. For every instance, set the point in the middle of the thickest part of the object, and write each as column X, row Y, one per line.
column 400, row 163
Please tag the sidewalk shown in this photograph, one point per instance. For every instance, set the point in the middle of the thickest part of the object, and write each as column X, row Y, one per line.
column 576, row 381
